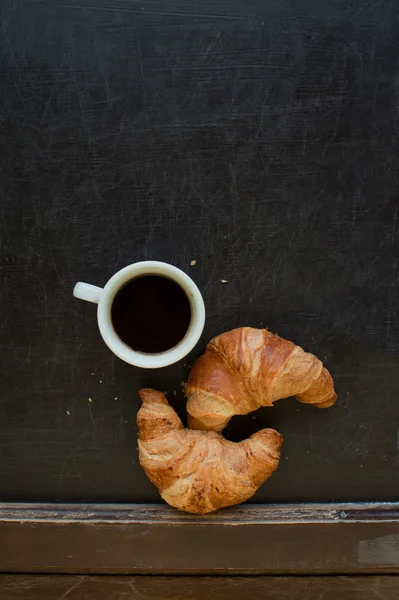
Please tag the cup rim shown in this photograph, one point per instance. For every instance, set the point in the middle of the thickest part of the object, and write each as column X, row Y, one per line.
column 141, row 359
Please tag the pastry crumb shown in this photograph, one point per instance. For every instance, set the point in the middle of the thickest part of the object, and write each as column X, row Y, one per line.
column 116, row 398
column 193, row 263
column 68, row 413
column 89, row 400
column 174, row 392
column 224, row 280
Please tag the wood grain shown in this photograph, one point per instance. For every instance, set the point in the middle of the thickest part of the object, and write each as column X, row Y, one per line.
column 55, row 587
column 284, row 539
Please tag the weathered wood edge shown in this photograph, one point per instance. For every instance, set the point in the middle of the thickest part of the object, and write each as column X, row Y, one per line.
column 347, row 512
column 306, row 539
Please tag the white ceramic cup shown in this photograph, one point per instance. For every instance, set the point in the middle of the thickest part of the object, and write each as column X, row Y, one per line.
column 105, row 296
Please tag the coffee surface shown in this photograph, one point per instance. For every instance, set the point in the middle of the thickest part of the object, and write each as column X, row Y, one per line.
column 151, row 314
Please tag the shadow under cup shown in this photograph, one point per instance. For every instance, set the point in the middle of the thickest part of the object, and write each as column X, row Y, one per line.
column 151, row 314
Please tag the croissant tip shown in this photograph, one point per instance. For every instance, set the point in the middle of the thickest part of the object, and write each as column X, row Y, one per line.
column 329, row 402
column 149, row 395
column 278, row 438
column 272, row 436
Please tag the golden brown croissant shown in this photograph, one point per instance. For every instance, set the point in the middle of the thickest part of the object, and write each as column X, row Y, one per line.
column 246, row 368
column 200, row 471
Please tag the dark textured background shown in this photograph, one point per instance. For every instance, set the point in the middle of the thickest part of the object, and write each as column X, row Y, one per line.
column 258, row 138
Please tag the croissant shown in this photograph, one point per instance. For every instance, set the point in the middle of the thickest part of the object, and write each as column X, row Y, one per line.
column 200, row 471
column 246, row 368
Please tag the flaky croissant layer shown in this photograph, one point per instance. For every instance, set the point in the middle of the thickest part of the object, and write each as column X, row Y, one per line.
column 200, row 471
column 246, row 368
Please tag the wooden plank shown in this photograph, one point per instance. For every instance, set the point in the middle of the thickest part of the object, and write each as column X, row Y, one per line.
column 155, row 539
column 53, row 587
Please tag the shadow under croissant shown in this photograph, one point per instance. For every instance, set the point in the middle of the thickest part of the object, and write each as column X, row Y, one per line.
column 200, row 471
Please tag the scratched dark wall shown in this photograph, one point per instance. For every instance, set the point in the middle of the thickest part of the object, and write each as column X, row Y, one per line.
column 258, row 138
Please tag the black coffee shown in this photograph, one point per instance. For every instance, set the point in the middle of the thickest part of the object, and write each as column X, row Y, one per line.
column 151, row 314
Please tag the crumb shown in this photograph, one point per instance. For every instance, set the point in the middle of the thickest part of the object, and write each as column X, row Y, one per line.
column 193, row 263
column 183, row 386
column 165, row 393
column 89, row 400
column 68, row 413
column 92, row 373
column 357, row 449
column 101, row 380
column 254, row 418
column 224, row 280
column 116, row 398
column 174, row 392
column 125, row 421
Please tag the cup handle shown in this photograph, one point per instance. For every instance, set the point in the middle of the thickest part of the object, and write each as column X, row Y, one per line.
column 88, row 292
